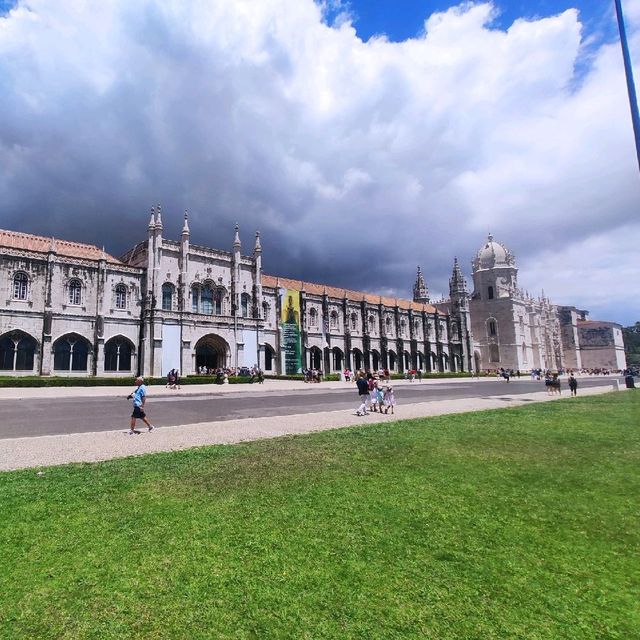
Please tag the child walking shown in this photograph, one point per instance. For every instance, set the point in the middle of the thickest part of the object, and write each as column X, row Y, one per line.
column 389, row 400
column 374, row 395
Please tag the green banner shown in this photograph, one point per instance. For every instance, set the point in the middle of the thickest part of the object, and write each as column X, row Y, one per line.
column 290, row 323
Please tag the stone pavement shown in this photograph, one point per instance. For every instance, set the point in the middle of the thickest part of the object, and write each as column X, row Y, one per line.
column 20, row 453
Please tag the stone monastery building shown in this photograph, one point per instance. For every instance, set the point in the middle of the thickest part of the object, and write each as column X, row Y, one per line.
column 71, row 309
column 513, row 330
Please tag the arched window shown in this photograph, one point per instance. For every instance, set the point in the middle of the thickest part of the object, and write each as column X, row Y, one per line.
column 265, row 311
column 313, row 317
column 195, row 298
column 490, row 293
column 117, row 355
column 217, row 301
column 372, row 324
column 354, row 320
column 75, row 292
column 403, row 326
column 387, row 324
column 333, row 320
column 70, row 353
column 17, row 352
column 244, row 305
column 121, row 297
column 20, row 286
column 492, row 327
column 206, row 300
column 416, row 326
column 167, row 296
column 454, row 330
column 337, row 359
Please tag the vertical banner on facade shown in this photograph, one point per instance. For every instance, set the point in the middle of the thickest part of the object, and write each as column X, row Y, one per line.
column 170, row 348
column 290, row 323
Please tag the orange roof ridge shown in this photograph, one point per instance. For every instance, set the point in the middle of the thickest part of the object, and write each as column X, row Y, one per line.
column 340, row 292
column 42, row 244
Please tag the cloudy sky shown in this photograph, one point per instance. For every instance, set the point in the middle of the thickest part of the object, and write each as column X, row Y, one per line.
column 362, row 138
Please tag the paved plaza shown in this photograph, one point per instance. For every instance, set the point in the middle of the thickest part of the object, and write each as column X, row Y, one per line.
column 26, row 452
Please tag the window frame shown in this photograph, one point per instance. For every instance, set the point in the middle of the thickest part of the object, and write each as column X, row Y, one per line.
column 167, row 288
column 245, row 305
column 20, row 286
column 74, row 292
column 120, row 294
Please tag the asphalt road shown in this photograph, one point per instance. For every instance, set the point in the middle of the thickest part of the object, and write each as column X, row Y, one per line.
column 39, row 417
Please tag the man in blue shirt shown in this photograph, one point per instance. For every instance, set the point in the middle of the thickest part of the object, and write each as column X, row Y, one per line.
column 139, row 397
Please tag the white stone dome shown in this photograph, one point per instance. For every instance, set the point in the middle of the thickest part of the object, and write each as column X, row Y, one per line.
column 493, row 254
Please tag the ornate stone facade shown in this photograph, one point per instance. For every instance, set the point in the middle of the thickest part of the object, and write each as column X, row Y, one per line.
column 69, row 308
column 513, row 330
column 72, row 309
column 66, row 307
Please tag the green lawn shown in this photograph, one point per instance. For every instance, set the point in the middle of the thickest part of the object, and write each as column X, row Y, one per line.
column 519, row 523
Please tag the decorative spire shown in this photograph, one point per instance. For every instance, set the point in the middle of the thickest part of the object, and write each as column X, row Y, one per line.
column 457, row 274
column 52, row 245
column 104, row 254
column 159, row 218
column 420, row 291
column 258, row 247
column 236, row 239
column 152, row 221
column 457, row 284
column 185, row 226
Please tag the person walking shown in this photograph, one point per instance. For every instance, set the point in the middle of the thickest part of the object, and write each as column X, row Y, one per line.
column 373, row 394
column 139, row 397
column 389, row 399
column 573, row 385
column 363, row 393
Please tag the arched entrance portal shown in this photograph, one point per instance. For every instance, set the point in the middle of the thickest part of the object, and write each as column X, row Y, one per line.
column 212, row 352
column 269, row 357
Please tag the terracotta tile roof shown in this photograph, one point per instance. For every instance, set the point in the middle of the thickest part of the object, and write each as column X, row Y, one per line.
column 597, row 323
column 337, row 292
column 40, row 244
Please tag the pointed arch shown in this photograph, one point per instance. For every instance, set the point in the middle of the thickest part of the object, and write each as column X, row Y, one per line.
column 71, row 353
column 118, row 352
column 17, row 351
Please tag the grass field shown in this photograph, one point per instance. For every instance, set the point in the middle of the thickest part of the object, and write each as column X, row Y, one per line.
column 519, row 523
